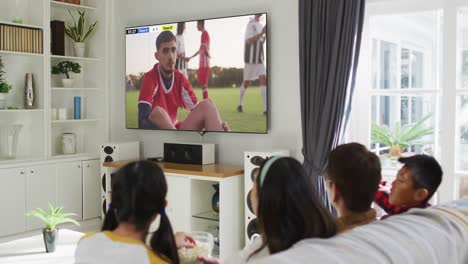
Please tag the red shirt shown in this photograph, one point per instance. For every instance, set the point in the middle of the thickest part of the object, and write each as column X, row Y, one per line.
column 154, row 92
column 205, row 42
column 382, row 200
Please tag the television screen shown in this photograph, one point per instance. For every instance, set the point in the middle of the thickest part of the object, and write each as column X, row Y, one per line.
column 203, row 75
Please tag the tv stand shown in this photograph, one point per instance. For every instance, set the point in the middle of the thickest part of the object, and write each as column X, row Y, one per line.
column 202, row 132
column 190, row 189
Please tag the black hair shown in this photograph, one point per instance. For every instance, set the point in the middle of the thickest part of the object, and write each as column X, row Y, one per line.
column 288, row 208
column 138, row 195
column 425, row 171
column 202, row 22
column 357, row 173
column 180, row 28
column 163, row 37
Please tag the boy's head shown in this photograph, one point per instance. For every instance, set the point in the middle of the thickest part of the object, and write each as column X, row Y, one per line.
column 416, row 181
column 353, row 176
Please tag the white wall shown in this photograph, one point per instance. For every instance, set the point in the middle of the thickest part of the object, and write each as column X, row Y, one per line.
column 284, row 94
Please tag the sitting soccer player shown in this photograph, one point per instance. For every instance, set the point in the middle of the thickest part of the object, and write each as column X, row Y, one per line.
column 353, row 176
column 164, row 89
column 414, row 185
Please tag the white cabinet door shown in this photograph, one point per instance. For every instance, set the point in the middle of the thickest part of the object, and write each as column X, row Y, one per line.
column 12, row 201
column 91, row 189
column 41, row 190
column 69, row 188
column 178, row 202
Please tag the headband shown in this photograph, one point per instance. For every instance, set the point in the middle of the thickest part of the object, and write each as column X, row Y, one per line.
column 266, row 167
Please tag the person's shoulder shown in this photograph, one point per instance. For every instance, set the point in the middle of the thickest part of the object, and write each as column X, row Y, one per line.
column 178, row 76
column 153, row 73
column 155, row 259
column 88, row 235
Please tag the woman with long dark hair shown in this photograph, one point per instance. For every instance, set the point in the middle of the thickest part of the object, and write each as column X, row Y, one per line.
column 138, row 196
column 287, row 208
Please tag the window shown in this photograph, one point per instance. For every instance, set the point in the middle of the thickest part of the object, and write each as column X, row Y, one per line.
column 414, row 64
column 461, row 122
column 402, row 92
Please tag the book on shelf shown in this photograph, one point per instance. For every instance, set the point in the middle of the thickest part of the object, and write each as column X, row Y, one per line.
column 20, row 39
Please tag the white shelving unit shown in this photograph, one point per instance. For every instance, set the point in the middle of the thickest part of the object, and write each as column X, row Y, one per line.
column 40, row 136
column 39, row 161
column 91, row 130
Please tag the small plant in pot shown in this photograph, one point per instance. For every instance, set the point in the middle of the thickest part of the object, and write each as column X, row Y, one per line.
column 401, row 137
column 52, row 219
column 66, row 67
column 78, row 33
column 4, row 87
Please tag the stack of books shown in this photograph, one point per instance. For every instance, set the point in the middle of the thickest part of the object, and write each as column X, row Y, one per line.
column 20, row 39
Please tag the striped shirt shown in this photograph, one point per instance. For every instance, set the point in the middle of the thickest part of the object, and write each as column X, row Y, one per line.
column 253, row 53
column 180, row 63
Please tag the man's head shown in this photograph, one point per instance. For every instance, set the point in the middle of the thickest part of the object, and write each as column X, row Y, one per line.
column 416, row 181
column 166, row 51
column 257, row 16
column 201, row 25
column 180, row 28
column 353, row 177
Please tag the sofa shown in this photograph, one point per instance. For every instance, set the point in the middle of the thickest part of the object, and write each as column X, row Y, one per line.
column 421, row 236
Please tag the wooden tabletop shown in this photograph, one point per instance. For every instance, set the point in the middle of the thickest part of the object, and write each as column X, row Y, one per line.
column 210, row 170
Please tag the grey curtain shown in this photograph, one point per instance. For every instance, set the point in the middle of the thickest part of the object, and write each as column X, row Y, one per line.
column 329, row 42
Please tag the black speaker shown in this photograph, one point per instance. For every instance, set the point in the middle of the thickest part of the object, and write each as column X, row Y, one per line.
column 57, row 35
column 198, row 154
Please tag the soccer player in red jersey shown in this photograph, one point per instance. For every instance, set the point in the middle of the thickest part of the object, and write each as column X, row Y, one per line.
column 203, row 73
column 164, row 89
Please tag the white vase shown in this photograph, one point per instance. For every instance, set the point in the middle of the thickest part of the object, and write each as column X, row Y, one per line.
column 67, row 83
column 68, row 143
column 2, row 100
column 79, row 48
column 9, row 140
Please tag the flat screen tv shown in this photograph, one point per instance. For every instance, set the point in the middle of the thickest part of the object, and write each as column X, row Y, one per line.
column 201, row 75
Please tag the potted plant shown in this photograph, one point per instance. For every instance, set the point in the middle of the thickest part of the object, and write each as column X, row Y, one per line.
column 400, row 137
column 78, row 34
column 4, row 87
column 65, row 67
column 52, row 219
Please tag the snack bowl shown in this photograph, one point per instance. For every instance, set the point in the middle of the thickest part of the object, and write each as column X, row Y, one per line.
column 204, row 246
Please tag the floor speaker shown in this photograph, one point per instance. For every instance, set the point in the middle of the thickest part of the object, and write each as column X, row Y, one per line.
column 252, row 162
column 113, row 152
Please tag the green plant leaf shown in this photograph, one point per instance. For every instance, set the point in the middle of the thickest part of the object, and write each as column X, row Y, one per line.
column 90, row 30
column 417, row 130
column 53, row 217
column 381, row 135
column 404, row 136
column 76, row 31
column 65, row 67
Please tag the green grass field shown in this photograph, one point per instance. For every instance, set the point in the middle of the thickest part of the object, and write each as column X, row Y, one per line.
column 226, row 99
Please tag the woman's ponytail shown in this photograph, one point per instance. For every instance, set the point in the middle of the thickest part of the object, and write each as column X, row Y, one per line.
column 163, row 241
column 110, row 220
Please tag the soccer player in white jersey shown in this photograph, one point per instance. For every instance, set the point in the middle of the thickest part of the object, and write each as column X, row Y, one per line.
column 254, row 60
column 182, row 60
